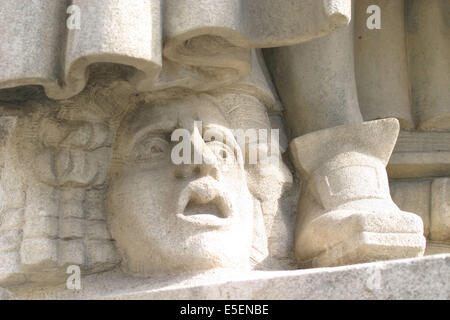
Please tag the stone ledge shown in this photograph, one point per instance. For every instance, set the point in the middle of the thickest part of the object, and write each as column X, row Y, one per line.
column 421, row 278
column 420, row 154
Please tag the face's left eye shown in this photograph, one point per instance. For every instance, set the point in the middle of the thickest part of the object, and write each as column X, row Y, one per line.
column 223, row 153
column 151, row 147
column 224, row 147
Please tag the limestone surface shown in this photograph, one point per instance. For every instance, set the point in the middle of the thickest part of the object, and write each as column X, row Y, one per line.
column 209, row 149
column 198, row 36
column 409, row 279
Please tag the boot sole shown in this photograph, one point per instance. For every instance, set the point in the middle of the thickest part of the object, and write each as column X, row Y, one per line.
column 369, row 246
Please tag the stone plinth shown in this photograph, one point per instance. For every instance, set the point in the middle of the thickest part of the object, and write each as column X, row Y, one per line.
column 419, row 278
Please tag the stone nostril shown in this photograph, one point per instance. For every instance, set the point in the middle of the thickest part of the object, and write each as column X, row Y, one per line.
column 180, row 171
column 184, row 171
column 196, row 171
column 212, row 171
column 215, row 174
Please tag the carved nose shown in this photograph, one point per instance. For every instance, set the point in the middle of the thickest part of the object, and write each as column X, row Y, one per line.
column 203, row 169
column 208, row 168
column 203, row 161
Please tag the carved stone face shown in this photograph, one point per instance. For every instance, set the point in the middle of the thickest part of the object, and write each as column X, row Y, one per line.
column 169, row 218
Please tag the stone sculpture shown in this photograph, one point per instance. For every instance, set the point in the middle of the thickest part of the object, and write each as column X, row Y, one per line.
column 329, row 86
column 171, row 218
column 347, row 214
column 89, row 112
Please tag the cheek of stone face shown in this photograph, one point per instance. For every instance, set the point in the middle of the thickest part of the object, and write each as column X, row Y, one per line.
column 143, row 204
column 147, row 191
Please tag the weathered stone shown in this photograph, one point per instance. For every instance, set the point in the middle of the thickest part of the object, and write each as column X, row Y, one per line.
column 209, row 219
column 410, row 279
column 414, row 196
column 104, row 163
column 5, row 295
column 440, row 210
column 429, row 60
column 130, row 33
column 316, row 82
column 346, row 211
column 420, row 154
column 381, row 65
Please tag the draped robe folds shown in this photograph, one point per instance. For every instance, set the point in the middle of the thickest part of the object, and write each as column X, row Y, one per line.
column 195, row 44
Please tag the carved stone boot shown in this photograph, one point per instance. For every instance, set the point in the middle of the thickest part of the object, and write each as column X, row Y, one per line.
column 346, row 214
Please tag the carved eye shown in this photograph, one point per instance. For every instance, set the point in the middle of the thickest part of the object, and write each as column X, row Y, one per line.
column 216, row 140
column 152, row 147
column 222, row 152
column 213, row 135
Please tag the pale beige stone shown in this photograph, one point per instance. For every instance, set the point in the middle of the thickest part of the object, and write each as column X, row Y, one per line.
column 87, row 179
column 434, row 248
column 316, row 82
column 198, row 36
column 420, row 154
column 414, row 196
column 11, row 272
column 428, row 198
column 409, row 279
column 65, row 219
column 72, row 252
column 346, row 214
column 210, row 218
column 401, row 70
column 381, row 64
column 429, row 60
column 42, row 225
column 440, row 210
column 5, row 294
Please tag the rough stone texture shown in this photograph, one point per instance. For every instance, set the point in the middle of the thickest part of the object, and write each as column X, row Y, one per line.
column 316, row 82
column 53, row 213
column 420, row 278
column 381, row 66
column 429, row 198
column 79, row 204
column 346, row 214
column 358, row 74
column 437, row 248
column 419, row 154
column 5, row 294
column 440, row 210
column 355, row 71
column 414, row 196
column 199, row 36
column 170, row 233
column 429, row 56
column 88, row 177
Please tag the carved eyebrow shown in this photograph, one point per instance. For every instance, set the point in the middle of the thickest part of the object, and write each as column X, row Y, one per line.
column 153, row 129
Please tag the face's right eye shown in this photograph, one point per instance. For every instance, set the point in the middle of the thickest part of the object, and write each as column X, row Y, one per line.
column 150, row 148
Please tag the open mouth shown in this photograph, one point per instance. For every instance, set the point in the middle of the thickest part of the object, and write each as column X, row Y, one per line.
column 204, row 206
column 211, row 208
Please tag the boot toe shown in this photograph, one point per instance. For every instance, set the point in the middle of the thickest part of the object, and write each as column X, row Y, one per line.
column 352, row 236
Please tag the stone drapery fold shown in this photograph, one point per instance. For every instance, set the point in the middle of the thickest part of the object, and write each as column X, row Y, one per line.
column 195, row 44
